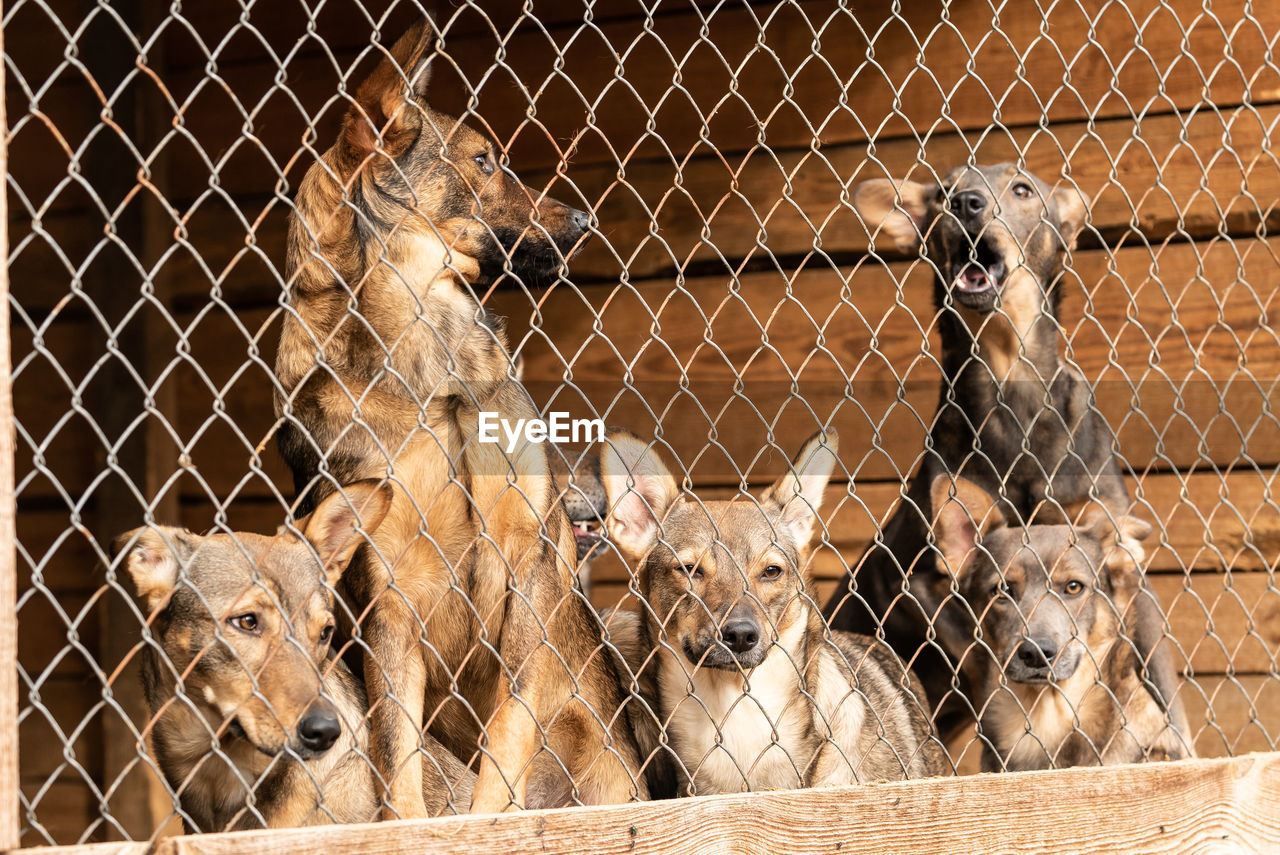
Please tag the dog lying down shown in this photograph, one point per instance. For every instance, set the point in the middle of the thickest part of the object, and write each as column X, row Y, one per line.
column 255, row 721
column 731, row 652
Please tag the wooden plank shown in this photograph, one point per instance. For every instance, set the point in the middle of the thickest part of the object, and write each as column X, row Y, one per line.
column 790, row 77
column 1196, row 394
column 869, row 818
column 717, row 80
column 1180, row 322
column 10, row 815
column 1161, row 807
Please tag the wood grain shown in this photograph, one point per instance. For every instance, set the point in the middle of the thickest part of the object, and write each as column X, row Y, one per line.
column 1169, row 807
column 1170, row 337
column 711, row 80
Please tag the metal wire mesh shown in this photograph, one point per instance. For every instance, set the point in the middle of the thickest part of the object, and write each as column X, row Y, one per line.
column 733, row 299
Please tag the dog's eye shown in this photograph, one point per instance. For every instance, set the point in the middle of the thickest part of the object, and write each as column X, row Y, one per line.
column 1073, row 588
column 773, row 571
column 485, row 162
column 691, row 571
column 1022, row 191
column 1000, row 592
column 326, row 634
column 245, row 623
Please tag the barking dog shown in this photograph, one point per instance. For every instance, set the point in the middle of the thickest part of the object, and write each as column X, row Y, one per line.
column 752, row 690
column 386, row 360
column 239, row 658
column 1012, row 416
column 1056, row 684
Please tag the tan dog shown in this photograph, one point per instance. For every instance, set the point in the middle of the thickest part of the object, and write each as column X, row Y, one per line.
column 1055, row 681
column 246, row 697
column 752, row 690
column 473, row 627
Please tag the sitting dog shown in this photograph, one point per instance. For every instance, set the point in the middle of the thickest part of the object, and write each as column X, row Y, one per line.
column 387, row 360
column 1012, row 416
column 254, row 721
column 1055, row 681
column 751, row 689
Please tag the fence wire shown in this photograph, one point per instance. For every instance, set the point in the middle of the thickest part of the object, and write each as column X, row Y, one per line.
column 934, row 346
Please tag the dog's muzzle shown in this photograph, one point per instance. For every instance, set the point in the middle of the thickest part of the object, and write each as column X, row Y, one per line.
column 977, row 273
column 1038, row 661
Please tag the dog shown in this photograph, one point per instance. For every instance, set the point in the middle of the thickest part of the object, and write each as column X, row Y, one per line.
column 255, row 722
column 752, row 691
column 586, row 505
column 1013, row 417
column 1055, row 681
column 468, row 609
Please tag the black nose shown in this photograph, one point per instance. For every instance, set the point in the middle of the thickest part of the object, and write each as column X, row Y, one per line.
column 1037, row 654
column 968, row 203
column 319, row 729
column 740, row 635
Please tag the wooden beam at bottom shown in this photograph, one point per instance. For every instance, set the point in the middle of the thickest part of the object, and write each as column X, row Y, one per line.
column 1195, row 805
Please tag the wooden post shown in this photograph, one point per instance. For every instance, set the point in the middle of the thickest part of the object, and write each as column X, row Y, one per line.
column 10, row 823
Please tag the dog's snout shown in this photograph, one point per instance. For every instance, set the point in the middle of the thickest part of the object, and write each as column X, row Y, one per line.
column 579, row 222
column 740, row 636
column 1037, row 654
column 319, row 728
column 968, row 203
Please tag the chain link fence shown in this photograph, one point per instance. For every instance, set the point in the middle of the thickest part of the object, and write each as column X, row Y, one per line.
column 766, row 241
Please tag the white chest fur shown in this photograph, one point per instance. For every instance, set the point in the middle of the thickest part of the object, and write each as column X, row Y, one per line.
column 733, row 734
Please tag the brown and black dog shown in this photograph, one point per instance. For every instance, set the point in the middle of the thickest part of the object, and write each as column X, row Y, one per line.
column 254, row 721
column 1054, row 680
column 1012, row 417
column 471, row 623
column 732, row 659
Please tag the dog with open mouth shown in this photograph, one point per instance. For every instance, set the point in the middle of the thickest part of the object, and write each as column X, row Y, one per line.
column 1055, row 682
column 730, row 654
column 1013, row 416
column 255, row 721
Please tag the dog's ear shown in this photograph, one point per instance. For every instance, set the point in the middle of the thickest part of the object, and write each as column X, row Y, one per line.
column 798, row 493
column 154, row 556
column 963, row 513
column 383, row 104
column 1121, row 541
column 338, row 525
column 640, row 491
column 1071, row 208
column 895, row 209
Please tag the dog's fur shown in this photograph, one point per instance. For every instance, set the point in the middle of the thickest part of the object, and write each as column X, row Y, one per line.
column 386, row 360
column 752, row 691
column 1055, row 681
column 245, row 694
column 1013, row 417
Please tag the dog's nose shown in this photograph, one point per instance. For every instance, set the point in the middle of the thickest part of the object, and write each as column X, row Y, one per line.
column 319, row 729
column 740, row 636
column 1037, row 654
column 579, row 221
column 968, row 203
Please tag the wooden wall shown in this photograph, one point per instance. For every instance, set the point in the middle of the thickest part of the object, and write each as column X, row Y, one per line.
column 729, row 298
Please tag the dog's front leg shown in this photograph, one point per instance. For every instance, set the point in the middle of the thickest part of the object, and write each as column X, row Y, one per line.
column 396, row 675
